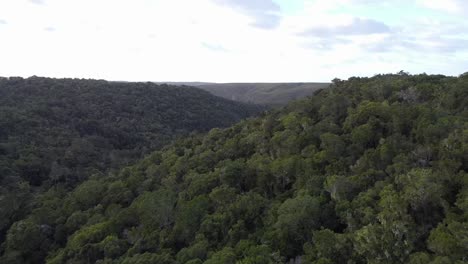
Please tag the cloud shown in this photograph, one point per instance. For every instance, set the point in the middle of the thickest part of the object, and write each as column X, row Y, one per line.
column 214, row 47
column 3, row 22
column 326, row 44
column 449, row 45
column 411, row 42
column 38, row 2
column 266, row 21
column 391, row 43
column 442, row 44
column 450, row 6
column 357, row 26
column 265, row 13
column 50, row 29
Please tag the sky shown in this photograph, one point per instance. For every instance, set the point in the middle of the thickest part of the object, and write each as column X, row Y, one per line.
column 231, row 40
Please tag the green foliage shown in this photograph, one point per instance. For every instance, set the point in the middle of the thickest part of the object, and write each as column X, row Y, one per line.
column 297, row 218
column 450, row 240
column 57, row 133
column 149, row 258
column 372, row 170
column 25, row 242
column 224, row 256
column 155, row 209
column 327, row 246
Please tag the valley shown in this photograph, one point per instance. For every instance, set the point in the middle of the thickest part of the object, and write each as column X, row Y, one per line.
column 369, row 170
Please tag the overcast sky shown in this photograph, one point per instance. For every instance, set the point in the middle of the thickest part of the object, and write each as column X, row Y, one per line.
column 231, row 40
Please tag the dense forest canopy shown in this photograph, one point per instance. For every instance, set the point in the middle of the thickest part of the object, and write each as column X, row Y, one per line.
column 372, row 170
column 61, row 131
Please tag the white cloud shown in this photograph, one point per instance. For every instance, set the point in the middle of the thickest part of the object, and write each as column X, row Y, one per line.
column 451, row 6
column 37, row 2
column 355, row 26
column 265, row 13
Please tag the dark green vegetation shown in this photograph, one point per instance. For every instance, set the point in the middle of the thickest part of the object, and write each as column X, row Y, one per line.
column 57, row 132
column 271, row 94
column 372, row 170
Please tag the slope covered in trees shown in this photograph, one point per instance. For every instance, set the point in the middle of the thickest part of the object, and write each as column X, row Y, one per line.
column 61, row 131
column 270, row 94
column 372, row 170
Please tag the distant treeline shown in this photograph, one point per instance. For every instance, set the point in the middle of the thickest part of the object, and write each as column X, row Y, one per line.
column 268, row 94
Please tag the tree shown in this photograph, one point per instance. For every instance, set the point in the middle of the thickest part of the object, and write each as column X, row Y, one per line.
column 297, row 218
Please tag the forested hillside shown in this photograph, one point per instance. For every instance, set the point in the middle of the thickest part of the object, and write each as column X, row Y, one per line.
column 270, row 94
column 372, row 170
column 58, row 132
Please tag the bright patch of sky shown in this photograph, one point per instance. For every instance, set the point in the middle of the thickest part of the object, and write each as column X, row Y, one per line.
column 231, row 40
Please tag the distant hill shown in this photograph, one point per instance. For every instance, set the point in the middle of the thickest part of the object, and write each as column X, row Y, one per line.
column 273, row 94
column 50, row 120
